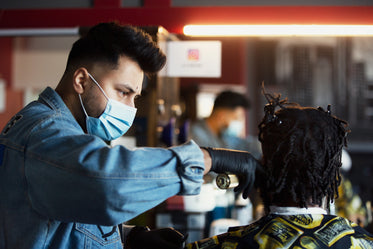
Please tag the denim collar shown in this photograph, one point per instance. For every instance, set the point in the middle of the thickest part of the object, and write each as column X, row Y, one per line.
column 51, row 98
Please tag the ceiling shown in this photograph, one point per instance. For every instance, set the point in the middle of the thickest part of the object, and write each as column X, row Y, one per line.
column 173, row 15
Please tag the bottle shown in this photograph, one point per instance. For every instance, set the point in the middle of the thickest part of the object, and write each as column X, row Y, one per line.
column 243, row 210
column 226, row 181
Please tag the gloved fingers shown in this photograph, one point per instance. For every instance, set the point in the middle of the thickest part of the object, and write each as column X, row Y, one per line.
column 246, row 191
column 250, row 176
column 171, row 234
column 185, row 237
column 245, row 186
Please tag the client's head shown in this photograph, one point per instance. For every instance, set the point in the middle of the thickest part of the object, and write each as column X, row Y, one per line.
column 302, row 149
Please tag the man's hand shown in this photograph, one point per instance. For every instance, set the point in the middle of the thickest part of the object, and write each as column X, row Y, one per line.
column 164, row 238
column 240, row 163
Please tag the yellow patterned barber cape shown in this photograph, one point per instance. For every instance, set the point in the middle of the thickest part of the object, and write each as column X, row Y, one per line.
column 294, row 231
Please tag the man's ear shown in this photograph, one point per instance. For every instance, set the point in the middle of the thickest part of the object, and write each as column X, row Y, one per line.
column 80, row 80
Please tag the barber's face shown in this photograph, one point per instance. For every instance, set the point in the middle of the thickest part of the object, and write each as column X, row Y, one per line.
column 122, row 84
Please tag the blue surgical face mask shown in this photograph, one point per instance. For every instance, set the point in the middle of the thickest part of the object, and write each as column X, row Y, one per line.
column 234, row 128
column 113, row 122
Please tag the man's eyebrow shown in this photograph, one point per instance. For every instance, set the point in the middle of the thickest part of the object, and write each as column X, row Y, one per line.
column 128, row 87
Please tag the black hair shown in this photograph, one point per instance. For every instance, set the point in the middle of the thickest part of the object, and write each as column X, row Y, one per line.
column 106, row 42
column 231, row 100
column 302, row 149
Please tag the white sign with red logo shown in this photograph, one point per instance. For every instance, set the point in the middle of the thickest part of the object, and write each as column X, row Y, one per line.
column 2, row 95
column 193, row 59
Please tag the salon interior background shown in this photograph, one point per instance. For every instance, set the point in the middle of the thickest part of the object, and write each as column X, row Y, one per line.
column 312, row 70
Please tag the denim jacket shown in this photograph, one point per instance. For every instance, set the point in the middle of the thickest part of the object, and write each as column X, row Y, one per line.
column 62, row 188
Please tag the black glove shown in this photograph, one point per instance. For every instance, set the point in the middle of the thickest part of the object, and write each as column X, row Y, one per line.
column 240, row 163
column 164, row 238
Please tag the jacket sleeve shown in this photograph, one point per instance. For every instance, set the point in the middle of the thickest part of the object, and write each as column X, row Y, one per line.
column 75, row 177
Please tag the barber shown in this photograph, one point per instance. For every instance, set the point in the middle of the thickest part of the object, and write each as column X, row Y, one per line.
column 62, row 186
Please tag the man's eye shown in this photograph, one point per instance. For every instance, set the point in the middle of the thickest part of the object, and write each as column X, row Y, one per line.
column 122, row 93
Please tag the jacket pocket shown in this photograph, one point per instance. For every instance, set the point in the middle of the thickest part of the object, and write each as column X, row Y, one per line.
column 99, row 236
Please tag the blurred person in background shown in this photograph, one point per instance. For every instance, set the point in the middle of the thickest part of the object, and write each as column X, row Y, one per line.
column 225, row 126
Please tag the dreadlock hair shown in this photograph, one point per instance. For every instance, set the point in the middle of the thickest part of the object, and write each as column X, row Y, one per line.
column 302, row 149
